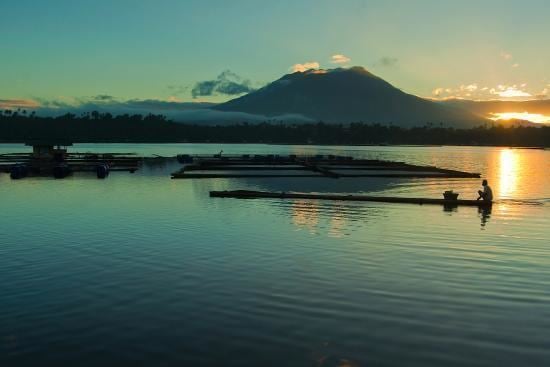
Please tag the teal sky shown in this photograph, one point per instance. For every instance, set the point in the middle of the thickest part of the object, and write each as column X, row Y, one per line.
column 61, row 50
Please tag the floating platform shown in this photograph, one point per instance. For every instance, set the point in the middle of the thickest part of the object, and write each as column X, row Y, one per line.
column 293, row 166
column 48, row 160
column 247, row 194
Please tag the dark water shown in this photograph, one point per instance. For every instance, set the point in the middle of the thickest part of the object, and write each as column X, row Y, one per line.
column 146, row 271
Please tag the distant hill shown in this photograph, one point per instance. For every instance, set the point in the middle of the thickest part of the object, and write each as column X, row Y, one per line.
column 348, row 95
column 485, row 108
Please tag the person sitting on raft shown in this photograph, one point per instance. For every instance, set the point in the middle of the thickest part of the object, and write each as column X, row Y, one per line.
column 487, row 193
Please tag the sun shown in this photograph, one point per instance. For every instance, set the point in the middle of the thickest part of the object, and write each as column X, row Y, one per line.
column 533, row 117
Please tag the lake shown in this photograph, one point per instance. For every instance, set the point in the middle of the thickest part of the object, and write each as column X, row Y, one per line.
column 142, row 270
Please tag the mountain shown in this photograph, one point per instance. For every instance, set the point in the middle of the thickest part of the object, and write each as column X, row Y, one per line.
column 348, row 95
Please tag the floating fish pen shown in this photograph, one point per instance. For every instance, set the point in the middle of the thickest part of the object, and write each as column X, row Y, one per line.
column 55, row 161
column 293, row 166
column 247, row 194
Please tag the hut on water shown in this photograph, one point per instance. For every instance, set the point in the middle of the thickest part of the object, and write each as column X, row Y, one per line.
column 49, row 150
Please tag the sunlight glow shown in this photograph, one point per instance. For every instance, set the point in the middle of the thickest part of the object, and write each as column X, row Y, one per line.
column 509, row 172
column 533, row 117
column 305, row 66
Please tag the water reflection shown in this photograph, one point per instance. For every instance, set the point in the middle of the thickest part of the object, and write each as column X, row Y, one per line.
column 305, row 213
column 484, row 214
column 450, row 208
column 509, row 172
column 313, row 215
column 337, row 219
column 337, row 224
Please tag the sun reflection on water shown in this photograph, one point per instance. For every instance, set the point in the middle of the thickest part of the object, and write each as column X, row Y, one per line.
column 337, row 224
column 509, row 173
column 305, row 214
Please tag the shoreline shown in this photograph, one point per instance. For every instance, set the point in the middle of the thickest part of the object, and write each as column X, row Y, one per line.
column 301, row 144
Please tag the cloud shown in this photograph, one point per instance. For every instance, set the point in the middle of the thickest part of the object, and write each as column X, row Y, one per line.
column 509, row 58
column 465, row 90
column 18, row 103
column 543, row 94
column 305, row 66
column 510, row 92
column 476, row 92
column 438, row 92
column 506, row 55
column 113, row 105
column 214, row 117
column 104, row 97
column 387, row 61
column 319, row 71
column 174, row 99
column 177, row 90
column 183, row 112
column 227, row 83
column 339, row 59
column 157, row 106
column 469, row 88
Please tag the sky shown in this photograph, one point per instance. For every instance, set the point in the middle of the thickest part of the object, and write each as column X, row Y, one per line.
column 62, row 51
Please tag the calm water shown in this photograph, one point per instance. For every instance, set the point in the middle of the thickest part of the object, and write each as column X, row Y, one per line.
column 143, row 270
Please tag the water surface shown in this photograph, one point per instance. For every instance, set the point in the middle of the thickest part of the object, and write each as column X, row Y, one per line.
column 144, row 270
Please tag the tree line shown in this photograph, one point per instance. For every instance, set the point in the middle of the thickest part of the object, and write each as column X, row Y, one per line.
column 20, row 127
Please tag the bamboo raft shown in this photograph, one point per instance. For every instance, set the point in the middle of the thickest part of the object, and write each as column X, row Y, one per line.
column 247, row 194
column 292, row 166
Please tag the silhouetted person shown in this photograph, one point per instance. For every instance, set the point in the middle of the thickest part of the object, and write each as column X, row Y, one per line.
column 485, row 194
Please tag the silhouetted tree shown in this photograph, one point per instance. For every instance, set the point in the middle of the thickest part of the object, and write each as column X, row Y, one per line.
column 104, row 127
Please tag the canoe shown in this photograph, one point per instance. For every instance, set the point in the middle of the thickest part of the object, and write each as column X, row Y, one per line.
column 248, row 194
